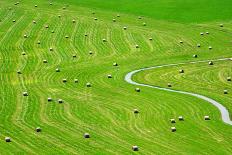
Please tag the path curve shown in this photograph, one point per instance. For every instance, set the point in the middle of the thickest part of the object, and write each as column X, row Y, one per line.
column 224, row 112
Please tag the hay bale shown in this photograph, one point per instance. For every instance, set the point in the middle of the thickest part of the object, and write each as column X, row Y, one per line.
column 64, row 80
column 207, row 32
column 86, row 35
column 135, row 148
column 136, row 46
column 36, row 6
column 137, row 89
column 23, row 53
column 25, row 94
column 202, row 33
column 195, row 56
column 19, row 72
column 34, row 21
column 14, row 21
column 150, row 39
column 60, row 101
column 64, row 8
column 38, row 42
column 172, row 120
column 74, row 21
column 118, row 15
column 67, row 36
column 95, row 18
column 136, row 111
column 7, row 139
column 206, row 117
column 86, row 135
column 144, row 24
column 109, row 76
column 114, row 20
column 211, row 63
column 198, row 45
column 46, row 26
column 49, row 99
column 25, row 36
column 221, row 25
column 75, row 80
column 115, row 64
column 181, row 71
column 57, row 70
column 45, row 61
column 228, row 78
column 90, row 52
column 74, row 55
column 38, row 129
column 225, row 91
column 173, row 129
column 181, row 42
column 59, row 16
column 139, row 17
column 50, row 4
column 52, row 31
column 125, row 28
column 104, row 40
column 210, row 47
column 169, row 85
column 181, row 118
column 88, row 84
column 50, row 49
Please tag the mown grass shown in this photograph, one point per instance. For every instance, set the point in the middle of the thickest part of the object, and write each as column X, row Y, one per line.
column 104, row 110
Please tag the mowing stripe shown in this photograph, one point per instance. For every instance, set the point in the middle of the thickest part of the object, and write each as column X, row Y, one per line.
column 224, row 112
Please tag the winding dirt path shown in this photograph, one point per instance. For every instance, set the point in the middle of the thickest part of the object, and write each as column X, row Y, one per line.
column 224, row 112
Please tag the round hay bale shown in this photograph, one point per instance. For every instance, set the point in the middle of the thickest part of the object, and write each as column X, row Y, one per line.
column 25, row 36
column 86, row 135
column 50, row 3
column 198, row 45
column 52, row 31
column 38, row 42
column 49, row 99
column 38, row 129
column 150, row 39
column 181, row 118
column 172, row 120
column 75, row 80
column 50, row 49
column 202, row 33
column 46, row 26
column 118, row 15
column 93, row 13
column 173, row 129
column 221, row 25
column 206, row 118
column 59, row 16
column 135, row 148
column 210, row 47
column 181, row 71
column 225, row 91
column 114, row 20
column 181, row 42
column 23, row 53
column 195, row 56
column 136, row 111
column 7, row 139
column 34, row 21
column 207, row 32
column 136, row 46
column 109, row 76
column 64, row 80
column 60, row 101
column 36, row 6
column 74, row 21
column 115, row 64
column 14, row 21
column 228, row 78
column 64, row 8
column 137, row 89
column 169, row 85
column 45, row 61
column 74, row 55
column 57, row 70
column 88, row 84
column 19, row 72
column 144, row 24
column 139, row 17
column 66, row 36
column 86, row 35
column 90, row 52
column 125, row 28
column 25, row 94
column 104, row 40
column 211, row 63
column 95, row 18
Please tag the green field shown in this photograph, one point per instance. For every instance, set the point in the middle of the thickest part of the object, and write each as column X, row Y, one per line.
column 106, row 109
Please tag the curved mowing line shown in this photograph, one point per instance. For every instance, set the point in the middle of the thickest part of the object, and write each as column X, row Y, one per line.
column 224, row 112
